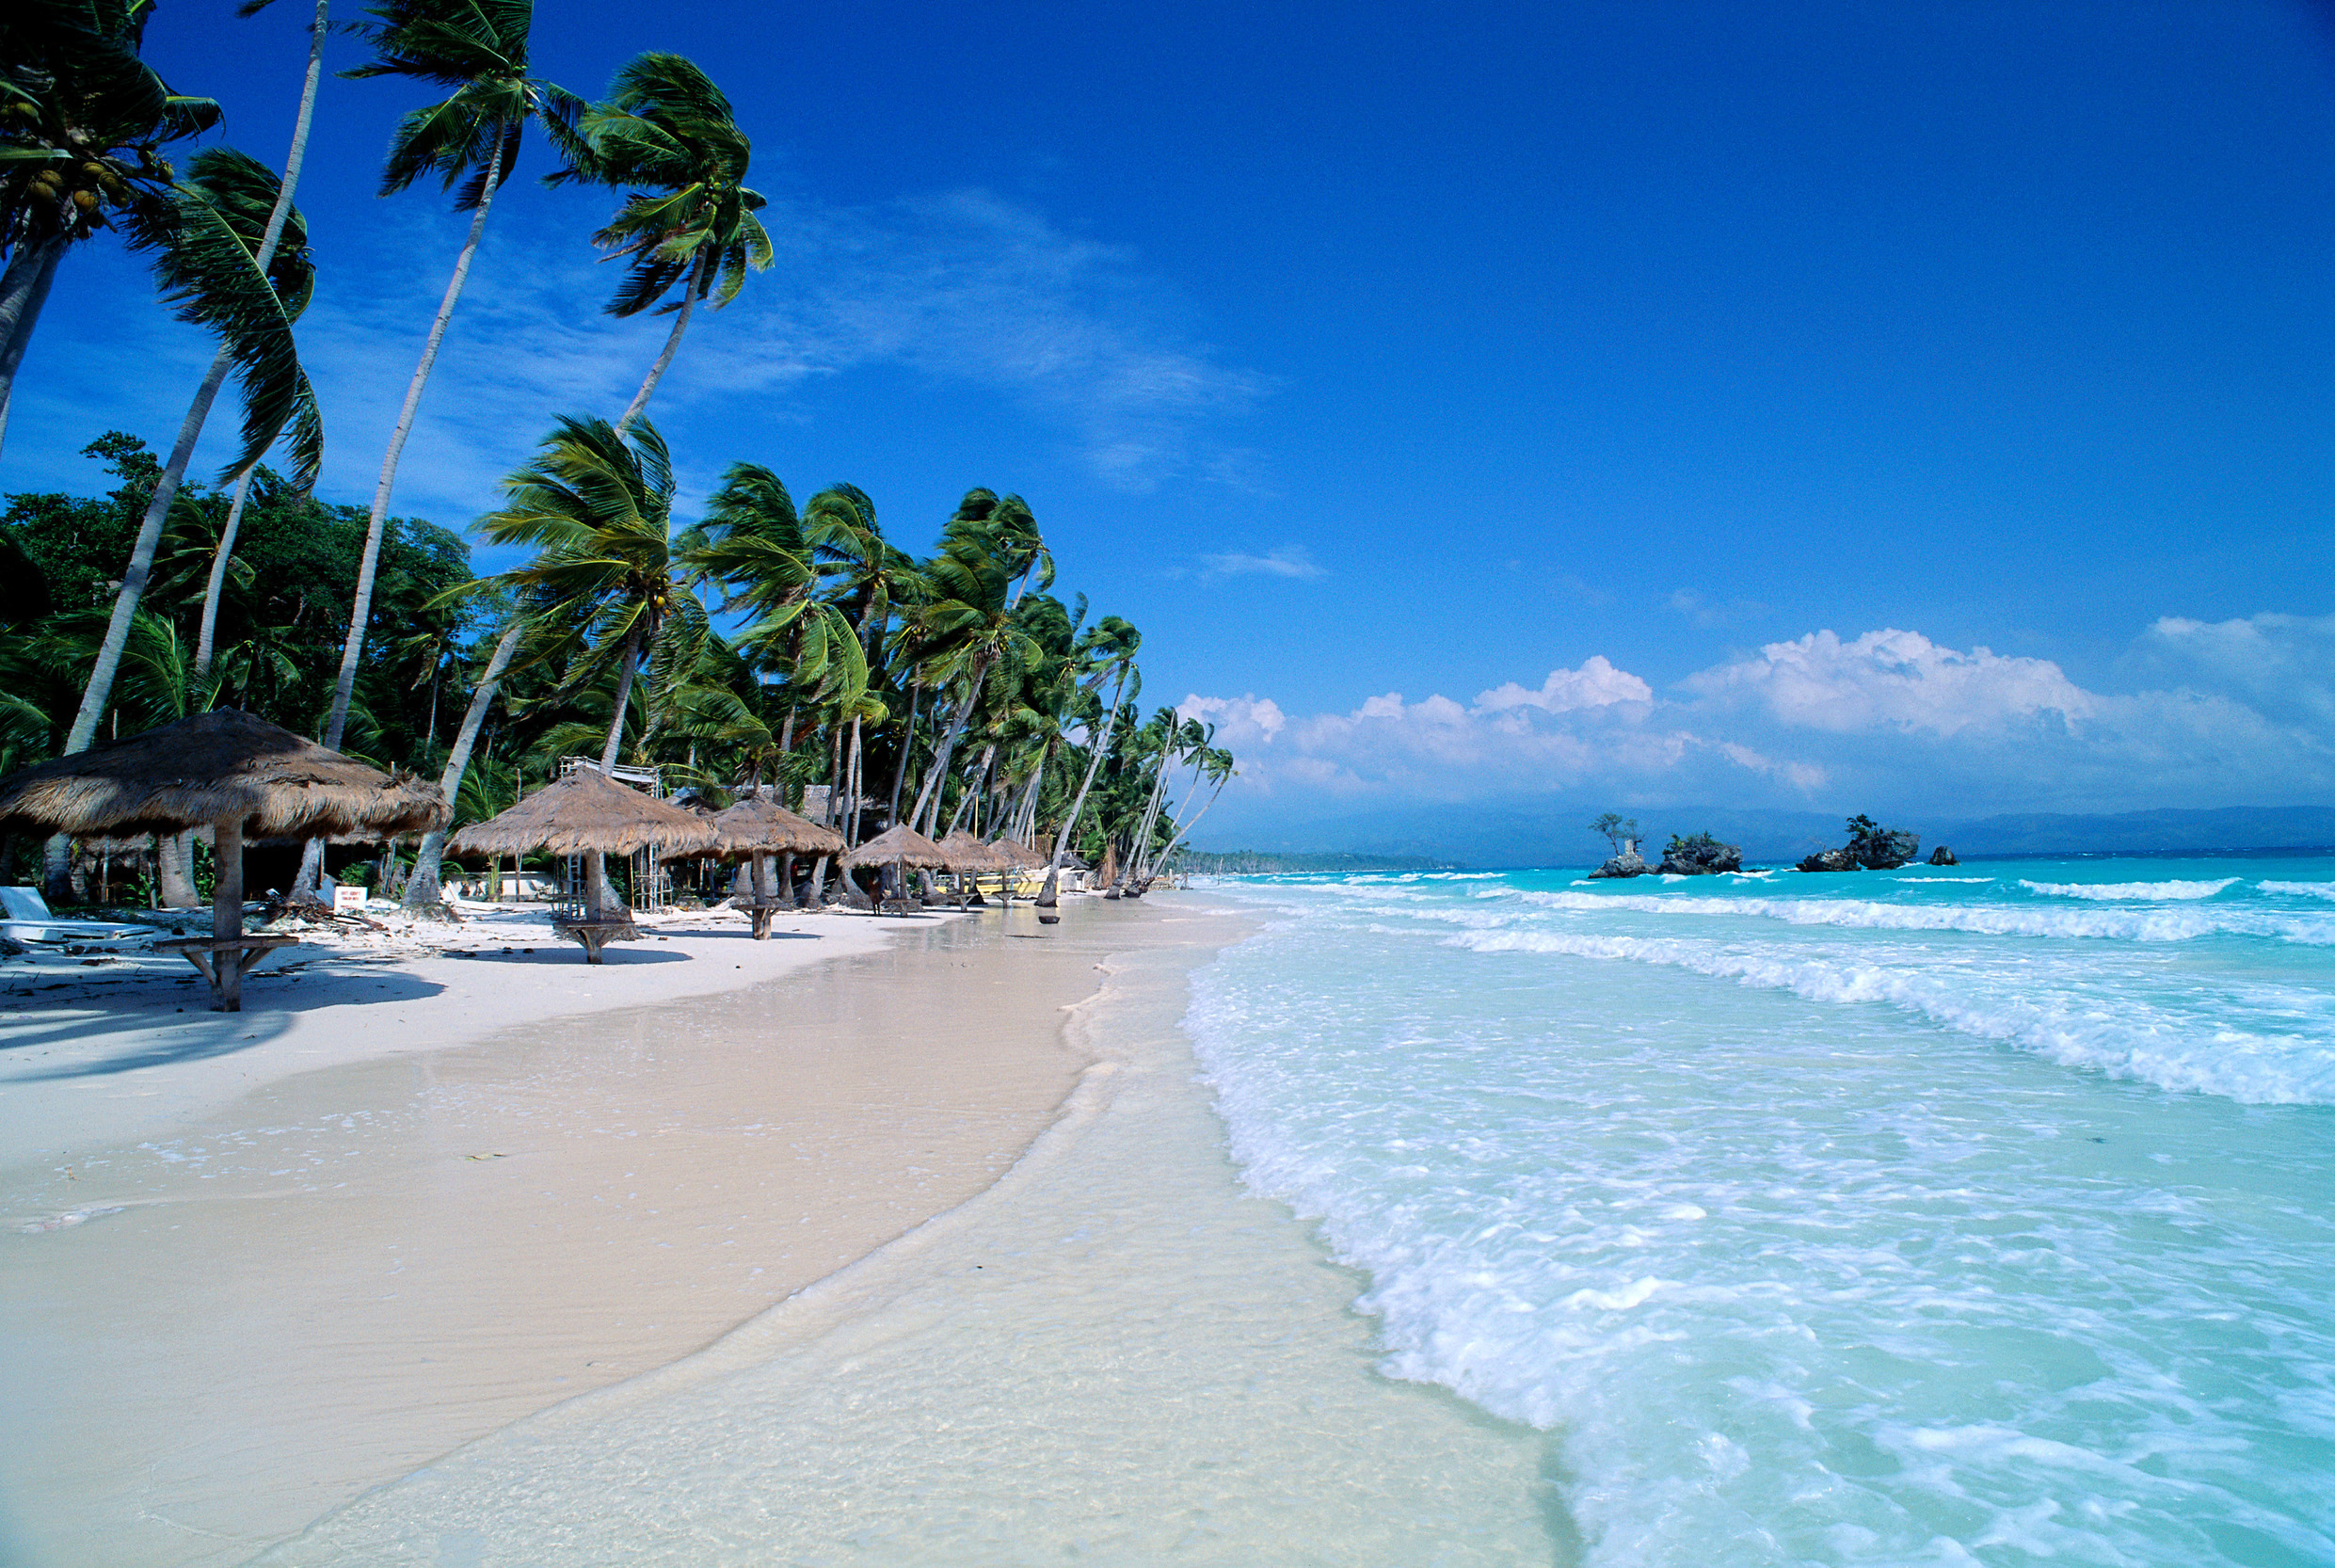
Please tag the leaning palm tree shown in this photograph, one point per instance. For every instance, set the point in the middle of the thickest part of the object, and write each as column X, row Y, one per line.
column 83, row 122
column 968, row 619
column 210, row 257
column 753, row 543
column 470, row 140
column 597, row 506
column 666, row 133
column 1108, row 649
column 225, row 550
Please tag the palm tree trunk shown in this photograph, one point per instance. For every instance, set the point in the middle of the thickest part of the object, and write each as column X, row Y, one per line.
column 99, row 690
column 23, row 289
column 422, row 891
column 1151, row 817
column 1182, row 832
column 974, row 784
column 1094, row 766
column 907, row 744
column 360, row 611
column 624, row 696
column 851, row 793
column 206, row 636
column 672, row 343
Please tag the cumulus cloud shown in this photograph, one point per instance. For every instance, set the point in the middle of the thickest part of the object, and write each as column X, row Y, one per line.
column 1892, row 678
column 1595, row 685
column 1889, row 719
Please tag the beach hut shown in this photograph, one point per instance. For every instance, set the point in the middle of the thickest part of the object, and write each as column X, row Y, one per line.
column 897, row 846
column 239, row 776
column 585, row 814
column 759, row 826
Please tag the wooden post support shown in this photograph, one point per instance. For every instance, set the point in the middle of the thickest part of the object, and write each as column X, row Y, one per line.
column 227, row 914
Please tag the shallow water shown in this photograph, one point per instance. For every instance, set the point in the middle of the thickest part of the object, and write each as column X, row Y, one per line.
column 1973, row 1215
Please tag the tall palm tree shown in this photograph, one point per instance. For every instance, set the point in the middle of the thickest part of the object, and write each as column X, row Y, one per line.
column 293, row 162
column 83, row 122
column 967, row 619
column 470, row 140
column 666, row 130
column 1108, row 649
column 209, row 258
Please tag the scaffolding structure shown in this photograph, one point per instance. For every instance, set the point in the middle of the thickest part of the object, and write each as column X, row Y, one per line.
column 651, row 880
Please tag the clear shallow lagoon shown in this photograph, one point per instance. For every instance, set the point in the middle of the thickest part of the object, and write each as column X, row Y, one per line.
column 1979, row 1214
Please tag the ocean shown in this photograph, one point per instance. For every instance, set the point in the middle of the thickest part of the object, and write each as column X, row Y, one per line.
column 1975, row 1214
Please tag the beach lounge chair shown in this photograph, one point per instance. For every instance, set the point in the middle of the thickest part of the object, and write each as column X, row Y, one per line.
column 28, row 921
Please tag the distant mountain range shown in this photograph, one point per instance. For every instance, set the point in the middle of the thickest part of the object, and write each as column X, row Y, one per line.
column 1556, row 835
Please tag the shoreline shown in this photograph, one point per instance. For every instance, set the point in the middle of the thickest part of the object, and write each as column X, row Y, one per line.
column 254, row 1282
column 1116, row 1352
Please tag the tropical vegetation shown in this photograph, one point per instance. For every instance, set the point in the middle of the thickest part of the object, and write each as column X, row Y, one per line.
column 757, row 644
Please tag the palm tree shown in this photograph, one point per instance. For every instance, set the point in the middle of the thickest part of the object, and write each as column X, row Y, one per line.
column 753, row 543
column 1216, row 766
column 209, row 258
column 82, row 121
column 469, row 139
column 968, row 619
column 1108, row 651
column 597, row 506
column 666, row 131
column 276, row 220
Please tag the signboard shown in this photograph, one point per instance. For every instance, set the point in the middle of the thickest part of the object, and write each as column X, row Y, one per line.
column 346, row 897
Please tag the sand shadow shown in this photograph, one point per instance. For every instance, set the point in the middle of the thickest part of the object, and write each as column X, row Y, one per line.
column 615, row 955
column 196, row 1036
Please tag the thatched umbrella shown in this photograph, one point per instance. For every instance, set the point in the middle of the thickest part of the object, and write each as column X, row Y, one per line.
column 586, row 813
column 897, row 846
column 236, row 774
column 969, row 853
column 759, row 826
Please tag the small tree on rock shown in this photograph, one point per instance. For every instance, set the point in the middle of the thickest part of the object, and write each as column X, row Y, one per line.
column 1615, row 829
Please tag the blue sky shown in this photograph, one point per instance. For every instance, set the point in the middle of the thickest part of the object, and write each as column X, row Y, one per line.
column 1829, row 406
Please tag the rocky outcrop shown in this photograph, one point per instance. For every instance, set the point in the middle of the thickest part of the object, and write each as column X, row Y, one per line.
column 1630, row 863
column 1887, row 850
column 1871, row 847
column 1700, row 856
column 1943, row 856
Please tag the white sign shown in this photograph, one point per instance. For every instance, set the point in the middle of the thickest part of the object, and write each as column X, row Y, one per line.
column 346, row 897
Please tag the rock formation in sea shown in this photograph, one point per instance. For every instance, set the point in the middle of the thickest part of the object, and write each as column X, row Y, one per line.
column 1870, row 847
column 1628, row 863
column 1943, row 856
column 1699, row 855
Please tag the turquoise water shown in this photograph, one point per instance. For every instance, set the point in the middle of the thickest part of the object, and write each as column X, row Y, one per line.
column 1977, row 1215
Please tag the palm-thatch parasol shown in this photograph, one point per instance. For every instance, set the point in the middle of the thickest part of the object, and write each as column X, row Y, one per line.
column 759, row 826
column 589, row 814
column 969, row 853
column 238, row 775
column 898, row 846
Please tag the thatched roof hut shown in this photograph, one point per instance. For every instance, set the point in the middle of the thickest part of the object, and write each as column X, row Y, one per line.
column 1017, row 855
column 903, row 846
column 585, row 813
column 760, row 826
column 242, row 777
column 969, row 853
column 220, row 766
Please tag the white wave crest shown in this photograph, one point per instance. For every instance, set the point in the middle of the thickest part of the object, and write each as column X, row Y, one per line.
column 2136, row 1042
column 2307, row 889
column 2131, row 890
column 2131, row 925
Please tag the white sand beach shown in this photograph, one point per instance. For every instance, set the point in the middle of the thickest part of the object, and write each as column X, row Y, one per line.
column 255, row 1264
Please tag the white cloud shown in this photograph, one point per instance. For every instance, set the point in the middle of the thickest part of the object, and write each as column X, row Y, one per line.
column 1287, row 561
column 2244, row 714
column 1892, row 677
column 1240, row 720
column 1595, row 685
